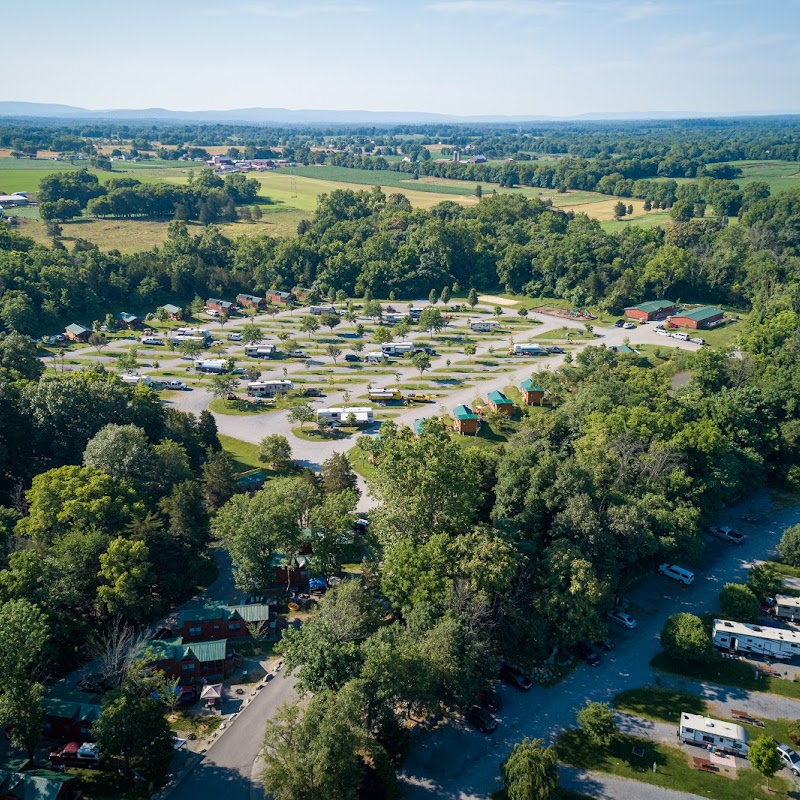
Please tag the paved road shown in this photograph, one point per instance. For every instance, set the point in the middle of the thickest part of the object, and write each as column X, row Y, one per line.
column 226, row 770
column 602, row 786
column 458, row 762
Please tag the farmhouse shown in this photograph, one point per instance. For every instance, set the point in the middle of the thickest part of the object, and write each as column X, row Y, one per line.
column 221, row 621
column 77, row 333
column 787, row 607
column 465, row 420
column 126, row 320
column 173, row 312
column 221, row 306
column 70, row 716
column 279, row 298
column 250, row 301
column 37, row 784
column 704, row 317
column 655, row 309
column 177, row 659
column 704, row 731
column 531, row 394
column 765, row 640
column 499, row 402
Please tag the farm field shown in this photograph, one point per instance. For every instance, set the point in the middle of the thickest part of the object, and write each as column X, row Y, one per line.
column 780, row 175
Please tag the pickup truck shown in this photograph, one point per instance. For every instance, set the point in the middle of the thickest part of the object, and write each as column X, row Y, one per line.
column 726, row 534
column 76, row 754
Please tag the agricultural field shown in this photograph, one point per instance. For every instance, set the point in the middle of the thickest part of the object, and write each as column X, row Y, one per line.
column 780, row 175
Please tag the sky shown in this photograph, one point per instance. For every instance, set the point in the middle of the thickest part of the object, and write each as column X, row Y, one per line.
column 460, row 57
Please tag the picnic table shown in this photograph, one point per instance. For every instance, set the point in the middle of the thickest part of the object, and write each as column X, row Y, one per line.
column 744, row 716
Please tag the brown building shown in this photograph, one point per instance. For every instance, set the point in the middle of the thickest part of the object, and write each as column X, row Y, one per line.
column 220, row 621
column 655, row 309
column 465, row 420
column 704, row 317
column 532, row 395
column 70, row 716
column 279, row 298
column 177, row 659
column 215, row 304
column 499, row 402
column 126, row 320
column 77, row 333
column 173, row 312
column 250, row 301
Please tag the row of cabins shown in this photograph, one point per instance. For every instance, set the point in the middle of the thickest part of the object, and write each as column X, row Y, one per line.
column 17, row 782
column 703, row 317
column 467, row 422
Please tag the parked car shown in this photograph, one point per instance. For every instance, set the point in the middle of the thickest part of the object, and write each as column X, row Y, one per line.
column 587, row 653
column 481, row 719
column 515, row 677
column 726, row 534
column 491, row 700
column 789, row 758
column 177, row 385
column 697, row 340
column 311, row 392
column 619, row 323
column 629, row 326
column 351, row 357
column 235, row 337
column 677, row 573
column 662, row 332
column 297, row 354
column 76, row 754
column 622, row 618
column 680, row 335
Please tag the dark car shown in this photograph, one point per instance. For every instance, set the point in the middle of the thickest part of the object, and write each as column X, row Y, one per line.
column 352, row 357
column 311, row 392
column 481, row 719
column 515, row 677
column 491, row 700
column 619, row 323
column 587, row 653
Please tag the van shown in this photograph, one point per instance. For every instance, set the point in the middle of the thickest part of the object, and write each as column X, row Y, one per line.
column 677, row 573
column 684, row 337
column 662, row 332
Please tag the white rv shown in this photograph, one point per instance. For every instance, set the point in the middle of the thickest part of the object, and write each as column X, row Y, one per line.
column 317, row 310
column 787, row 607
column 132, row 379
column 259, row 350
column 484, row 325
column 763, row 640
column 340, row 416
column 706, row 732
column 397, row 348
column 268, row 388
column 374, row 358
column 214, row 365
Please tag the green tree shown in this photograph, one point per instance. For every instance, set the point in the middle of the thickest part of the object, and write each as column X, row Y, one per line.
column 684, row 638
column 737, row 602
column 190, row 349
column 764, row 580
column 333, row 351
column 275, row 451
column 21, row 704
column 337, row 474
column 223, row 385
column 597, row 722
column 219, row 482
column 619, row 209
column 129, row 360
column 764, row 756
column 431, row 319
column 99, row 341
column 127, row 581
column 309, row 324
column 302, row 413
column 470, row 350
column 422, row 361
column 251, row 333
column 381, row 334
column 373, row 309
column 789, row 546
column 530, row 772
column 445, row 295
column 120, row 450
column 432, row 297
column 330, row 320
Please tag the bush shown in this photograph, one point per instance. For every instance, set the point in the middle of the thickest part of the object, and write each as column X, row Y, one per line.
column 598, row 723
column 764, row 580
column 738, row 602
column 685, row 639
column 789, row 546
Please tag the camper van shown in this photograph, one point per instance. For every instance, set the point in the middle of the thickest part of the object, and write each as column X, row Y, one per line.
column 527, row 350
column 414, row 314
column 213, row 365
column 317, row 310
column 397, row 348
column 787, row 607
column 341, row 416
column 374, row 358
column 763, row 640
column 726, row 737
column 259, row 350
column 484, row 325
column 268, row 388
column 384, row 395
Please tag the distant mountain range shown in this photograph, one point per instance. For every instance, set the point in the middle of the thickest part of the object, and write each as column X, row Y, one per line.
column 285, row 116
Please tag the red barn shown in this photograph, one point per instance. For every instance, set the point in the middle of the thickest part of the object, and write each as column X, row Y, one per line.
column 655, row 309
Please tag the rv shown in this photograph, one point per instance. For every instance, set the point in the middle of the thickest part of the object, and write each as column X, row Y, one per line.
column 374, row 358
column 384, row 395
column 483, row 325
column 726, row 737
column 527, row 350
column 132, row 379
column 214, row 365
column 414, row 314
column 397, row 348
column 341, row 416
column 268, row 388
column 763, row 640
column 317, row 310
column 259, row 350
column 787, row 607
column 392, row 319
column 199, row 335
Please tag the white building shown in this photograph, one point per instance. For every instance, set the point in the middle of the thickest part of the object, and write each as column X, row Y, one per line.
column 707, row 732
column 765, row 640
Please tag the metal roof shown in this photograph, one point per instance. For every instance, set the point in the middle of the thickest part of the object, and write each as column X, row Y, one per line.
column 721, row 728
column 171, row 309
column 653, row 305
column 463, row 412
column 176, row 650
column 77, row 329
column 699, row 314
column 34, row 784
column 252, row 612
column 764, row 632
column 528, row 386
column 498, row 398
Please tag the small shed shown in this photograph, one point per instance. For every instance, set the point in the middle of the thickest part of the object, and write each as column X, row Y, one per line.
column 703, row 317
column 499, row 402
column 465, row 420
column 531, row 394
column 654, row 309
column 173, row 311
column 77, row 333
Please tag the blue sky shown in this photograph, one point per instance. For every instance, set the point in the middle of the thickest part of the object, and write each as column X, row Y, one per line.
column 471, row 57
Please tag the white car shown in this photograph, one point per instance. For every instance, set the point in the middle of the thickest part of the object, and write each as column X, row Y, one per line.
column 177, row 385
column 677, row 573
column 212, row 312
column 622, row 618
column 789, row 758
column 697, row 340
column 662, row 332
column 629, row 326
column 235, row 337
column 680, row 335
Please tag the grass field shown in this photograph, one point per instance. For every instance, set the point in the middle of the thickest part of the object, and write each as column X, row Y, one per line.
column 244, row 454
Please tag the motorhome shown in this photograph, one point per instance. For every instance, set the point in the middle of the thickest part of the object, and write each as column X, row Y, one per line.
column 763, row 640
column 213, row 365
column 268, row 388
column 199, row 335
column 414, row 314
column 342, row 416
column 527, row 350
column 259, row 350
column 484, row 325
column 706, row 732
column 317, row 310
column 374, row 358
column 787, row 607
column 384, row 395
column 397, row 348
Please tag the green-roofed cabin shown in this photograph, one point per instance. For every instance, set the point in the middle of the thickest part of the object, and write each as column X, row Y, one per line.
column 499, row 402
column 179, row 659
column 654, row 309
column 531, row 394
column 465, row 420
column 173, row 312
column 125, row 320
column 37, row 784
column 703, row 317
column 221, row 621
column 250, row 301
column 70, row 715
column 77, row 333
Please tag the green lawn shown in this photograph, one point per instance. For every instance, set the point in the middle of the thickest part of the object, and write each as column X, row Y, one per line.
column 728, row 673
column 576, row 334
column 673, row 770
column 244, row 454
column 201, row 725
column 98, row 785
column 658, row 703
column 239, row 408
column 316, row 435
column 652, row 219
column 360, row 463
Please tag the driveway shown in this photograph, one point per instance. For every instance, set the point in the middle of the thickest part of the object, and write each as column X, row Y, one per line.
column 458, row 762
